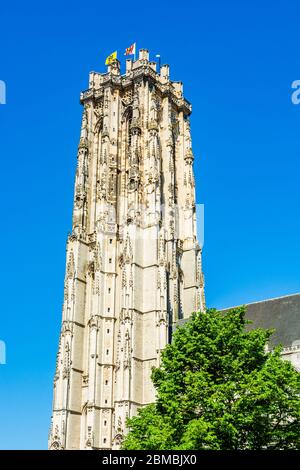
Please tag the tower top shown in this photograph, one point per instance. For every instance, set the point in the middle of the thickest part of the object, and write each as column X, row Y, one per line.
column 137, row 70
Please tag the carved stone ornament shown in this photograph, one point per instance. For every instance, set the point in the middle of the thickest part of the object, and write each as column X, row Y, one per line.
column 152, row 178
column 118, row 439
column 91, row 269
column 56, row 445
column 127, row 97
column 79, row 198
column 55, row 440
column 133, row 181
column 71, row 266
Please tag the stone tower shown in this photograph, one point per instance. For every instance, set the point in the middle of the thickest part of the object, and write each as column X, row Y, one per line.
column 133, row 264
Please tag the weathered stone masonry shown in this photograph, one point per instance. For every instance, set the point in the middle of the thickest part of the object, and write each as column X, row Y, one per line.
column 133, row 264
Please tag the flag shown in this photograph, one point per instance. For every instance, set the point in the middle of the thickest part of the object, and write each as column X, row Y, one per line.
column 130, row 50
column 111, row 58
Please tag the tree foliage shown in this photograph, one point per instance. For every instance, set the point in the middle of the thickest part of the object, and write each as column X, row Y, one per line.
column 218, row 388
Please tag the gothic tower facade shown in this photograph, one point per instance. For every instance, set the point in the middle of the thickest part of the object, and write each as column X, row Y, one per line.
column 133, row 263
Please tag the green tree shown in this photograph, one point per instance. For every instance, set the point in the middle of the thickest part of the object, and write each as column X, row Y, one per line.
column 219, row 388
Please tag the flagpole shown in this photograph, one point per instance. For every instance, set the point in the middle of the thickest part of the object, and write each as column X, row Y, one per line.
column 128, row 51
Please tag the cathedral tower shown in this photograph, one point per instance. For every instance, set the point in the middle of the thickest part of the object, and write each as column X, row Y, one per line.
column 133, row 265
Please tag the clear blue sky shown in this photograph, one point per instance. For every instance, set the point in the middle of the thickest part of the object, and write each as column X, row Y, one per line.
column 237, row 61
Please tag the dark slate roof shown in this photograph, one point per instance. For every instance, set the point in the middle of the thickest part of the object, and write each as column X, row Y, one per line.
column 281, row 314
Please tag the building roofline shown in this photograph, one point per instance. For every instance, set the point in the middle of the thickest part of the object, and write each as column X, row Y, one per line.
column 262, row 301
